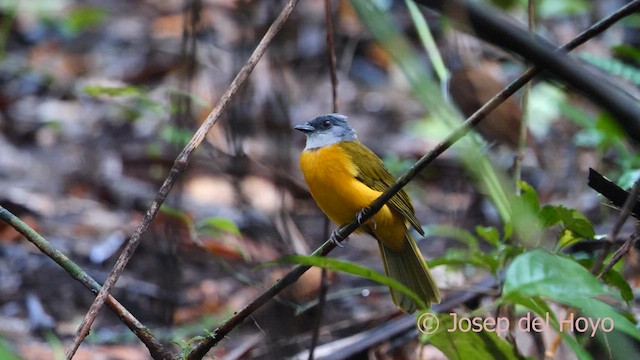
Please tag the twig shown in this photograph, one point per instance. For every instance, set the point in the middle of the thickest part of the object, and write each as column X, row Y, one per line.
column 621, row 252
column 157, row 350
column 629, row 204
column 324, row 281
column 486, row 24
column 522, row 136
column 179, row 165
column 331, row 54
column 626, row 210
column 205, row 345
column 322, row 300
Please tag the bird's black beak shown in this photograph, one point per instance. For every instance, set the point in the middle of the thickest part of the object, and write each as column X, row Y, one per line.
column 305, row 128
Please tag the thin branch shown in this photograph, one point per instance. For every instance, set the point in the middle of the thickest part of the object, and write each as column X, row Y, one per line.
column 205, row 345
column 331, row 54
column 621, row 252
column 486, row 24
column 179, row 165
column 626, row 210
column 522, row 135
column 157, row 350
column 629, row 204
column 324, row 281
column 322, row 300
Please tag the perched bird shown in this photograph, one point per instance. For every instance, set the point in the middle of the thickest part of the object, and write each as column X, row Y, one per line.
column 344, row 177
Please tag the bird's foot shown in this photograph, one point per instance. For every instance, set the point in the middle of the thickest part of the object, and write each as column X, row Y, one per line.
column 336, row 238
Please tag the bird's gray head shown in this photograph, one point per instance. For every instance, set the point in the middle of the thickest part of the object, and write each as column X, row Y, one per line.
column 326, row 130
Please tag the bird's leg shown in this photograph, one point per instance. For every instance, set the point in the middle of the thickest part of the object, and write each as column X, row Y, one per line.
column 336, row 238
column 360, row 221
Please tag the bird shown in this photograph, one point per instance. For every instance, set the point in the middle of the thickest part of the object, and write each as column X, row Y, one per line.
column 344, row 177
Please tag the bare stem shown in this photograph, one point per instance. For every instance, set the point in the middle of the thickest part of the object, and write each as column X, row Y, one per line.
column 179, row 165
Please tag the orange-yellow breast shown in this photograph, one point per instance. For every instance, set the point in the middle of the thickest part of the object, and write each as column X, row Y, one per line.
column 331, row 174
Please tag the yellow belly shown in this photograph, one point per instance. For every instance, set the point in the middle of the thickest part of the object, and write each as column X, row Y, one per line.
column 331, row 177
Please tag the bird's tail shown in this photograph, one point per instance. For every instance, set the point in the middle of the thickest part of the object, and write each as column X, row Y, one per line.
column 409, row 268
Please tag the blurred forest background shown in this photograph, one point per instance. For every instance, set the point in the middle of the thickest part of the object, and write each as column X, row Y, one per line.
column 97, row 98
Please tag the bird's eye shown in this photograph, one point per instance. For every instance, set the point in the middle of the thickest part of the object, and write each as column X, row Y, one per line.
column 326, row 124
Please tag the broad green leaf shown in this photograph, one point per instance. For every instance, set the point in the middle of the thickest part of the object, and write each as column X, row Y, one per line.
column 570, row 219
column 613, row 278
column 540, row 308
column 349, row 268
column 469, row 345
column 549, row 216
column 579, row 224
column 538, row 273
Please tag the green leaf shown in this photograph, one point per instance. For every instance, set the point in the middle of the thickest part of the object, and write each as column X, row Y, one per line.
column 349, row 268
column 464, row 257
column 95, row 90
column 613, row 67
column 567, row 238
column 175, row 135
column 5, row 352
column 82, row 19
column 628, row 178
column 576, row 222
column 469, row 345
column 616, row 279
column 626, row 51
column 538, row 273
column 217, row 224
column 529, row 195
column 454, row 233
column 558, row 9
column 549, row 216
column 542, row 309
column 570, row 219
column 490, row 234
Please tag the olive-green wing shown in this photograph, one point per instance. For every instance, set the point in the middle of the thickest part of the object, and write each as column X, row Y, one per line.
column 371, row 172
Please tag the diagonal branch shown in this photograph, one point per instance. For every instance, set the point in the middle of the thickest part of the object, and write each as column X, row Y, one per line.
column 179, row 165
column 157, row 350
column 484, row 23
column 201, row 349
